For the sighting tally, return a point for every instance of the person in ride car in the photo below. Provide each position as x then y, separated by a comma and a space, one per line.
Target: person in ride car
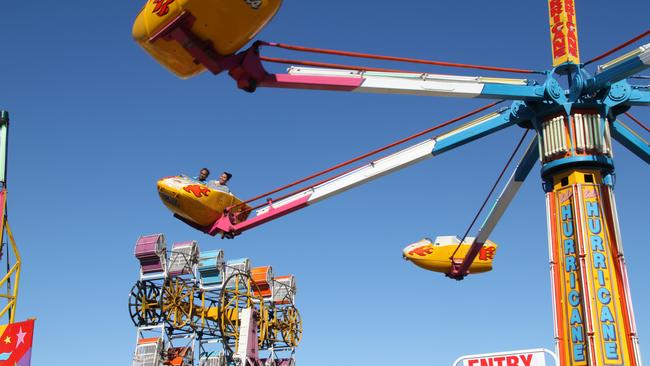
222, 183
203, 176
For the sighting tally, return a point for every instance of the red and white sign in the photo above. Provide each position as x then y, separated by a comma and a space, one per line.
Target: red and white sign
532, 357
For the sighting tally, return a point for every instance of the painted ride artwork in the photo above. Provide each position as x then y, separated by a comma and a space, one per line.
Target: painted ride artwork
434, 255
572, 111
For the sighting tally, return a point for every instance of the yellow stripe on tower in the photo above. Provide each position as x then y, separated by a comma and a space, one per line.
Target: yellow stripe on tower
564, 33
591, 310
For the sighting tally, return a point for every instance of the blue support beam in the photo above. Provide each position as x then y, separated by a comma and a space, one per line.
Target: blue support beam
631, 141
473, 131
639, 97
621, 70
513, 92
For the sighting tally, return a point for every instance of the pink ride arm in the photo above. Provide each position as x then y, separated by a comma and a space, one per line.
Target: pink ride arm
228, 227
311, 82
386, 165
224, 226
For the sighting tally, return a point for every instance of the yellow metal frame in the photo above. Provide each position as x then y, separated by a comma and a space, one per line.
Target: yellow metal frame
236, 299
11, 294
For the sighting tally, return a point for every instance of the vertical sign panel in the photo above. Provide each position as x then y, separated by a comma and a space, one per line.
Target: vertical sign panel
568, 280
564, 34
606, 312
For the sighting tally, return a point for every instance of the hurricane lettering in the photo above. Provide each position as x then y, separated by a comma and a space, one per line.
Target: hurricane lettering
572, 32
559, 43
570, 8
555, 7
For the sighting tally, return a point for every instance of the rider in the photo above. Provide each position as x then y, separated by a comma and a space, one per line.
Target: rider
203, 176
222, 183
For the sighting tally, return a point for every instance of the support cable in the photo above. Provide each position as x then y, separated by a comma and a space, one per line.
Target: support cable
640, 36
637, 122
393, 58
374, 152
329, 65
503, 171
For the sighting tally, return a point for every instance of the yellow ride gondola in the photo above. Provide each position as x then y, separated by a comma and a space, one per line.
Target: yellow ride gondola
436, 255
198, 203
227, 25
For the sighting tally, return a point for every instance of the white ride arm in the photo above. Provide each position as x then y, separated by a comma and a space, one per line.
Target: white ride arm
366, 173
500, 205
405, 83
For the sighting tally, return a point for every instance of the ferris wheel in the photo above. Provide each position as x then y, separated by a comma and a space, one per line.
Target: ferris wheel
190, 305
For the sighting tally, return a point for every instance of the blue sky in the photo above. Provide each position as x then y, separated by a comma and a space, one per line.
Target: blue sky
95, 122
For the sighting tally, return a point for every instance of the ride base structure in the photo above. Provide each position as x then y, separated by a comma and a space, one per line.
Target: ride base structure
13, 269
573, 128
16, 347
194, 305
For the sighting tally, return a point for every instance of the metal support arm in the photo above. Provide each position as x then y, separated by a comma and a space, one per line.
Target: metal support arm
499, 207
386, 165
404, 83
621, 68
249, 73
639, 97
631, 141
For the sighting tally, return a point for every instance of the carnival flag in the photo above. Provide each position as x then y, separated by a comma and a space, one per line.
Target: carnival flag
16, 343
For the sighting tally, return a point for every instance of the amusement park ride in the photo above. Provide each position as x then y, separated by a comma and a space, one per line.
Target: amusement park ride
573, 127
192, 303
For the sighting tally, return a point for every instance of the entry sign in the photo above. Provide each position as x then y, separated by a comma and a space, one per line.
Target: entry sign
532, 357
